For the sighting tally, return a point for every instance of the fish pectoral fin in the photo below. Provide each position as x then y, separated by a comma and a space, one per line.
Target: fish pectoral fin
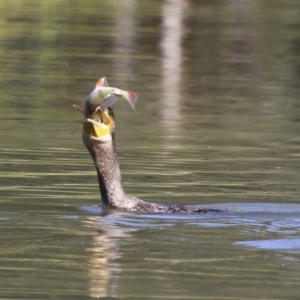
108, 101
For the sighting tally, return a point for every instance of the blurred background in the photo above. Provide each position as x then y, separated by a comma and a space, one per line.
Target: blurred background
217, 122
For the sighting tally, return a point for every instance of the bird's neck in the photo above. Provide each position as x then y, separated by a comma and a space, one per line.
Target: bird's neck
109, 175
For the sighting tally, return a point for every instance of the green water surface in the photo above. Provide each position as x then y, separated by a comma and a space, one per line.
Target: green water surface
217, 125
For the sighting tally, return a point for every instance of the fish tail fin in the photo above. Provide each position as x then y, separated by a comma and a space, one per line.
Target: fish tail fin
131, 97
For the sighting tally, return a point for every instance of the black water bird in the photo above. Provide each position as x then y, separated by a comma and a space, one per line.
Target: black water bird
98, 136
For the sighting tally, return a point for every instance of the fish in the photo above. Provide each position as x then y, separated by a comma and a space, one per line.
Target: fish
104, 96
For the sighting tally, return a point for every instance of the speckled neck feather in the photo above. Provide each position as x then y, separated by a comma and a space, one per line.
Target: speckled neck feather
109, 176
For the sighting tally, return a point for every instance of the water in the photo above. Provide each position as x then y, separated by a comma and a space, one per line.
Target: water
217, 126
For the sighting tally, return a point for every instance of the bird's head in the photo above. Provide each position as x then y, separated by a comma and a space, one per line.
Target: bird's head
100, 124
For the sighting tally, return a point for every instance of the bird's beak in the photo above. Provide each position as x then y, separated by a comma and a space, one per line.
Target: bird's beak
99, 125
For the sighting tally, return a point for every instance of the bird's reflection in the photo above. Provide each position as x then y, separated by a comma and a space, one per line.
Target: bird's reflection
103, 252
256, 224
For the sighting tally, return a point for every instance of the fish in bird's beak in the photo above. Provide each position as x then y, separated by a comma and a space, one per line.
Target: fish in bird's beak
98, 118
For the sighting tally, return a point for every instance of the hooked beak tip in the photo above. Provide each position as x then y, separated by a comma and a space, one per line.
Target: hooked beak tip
78, 108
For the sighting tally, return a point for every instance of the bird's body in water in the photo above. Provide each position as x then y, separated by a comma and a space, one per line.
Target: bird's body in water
98, 136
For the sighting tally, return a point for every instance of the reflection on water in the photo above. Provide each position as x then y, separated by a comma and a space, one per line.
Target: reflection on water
271, 223
101, 255
171, 65
279, 244
217, 125
125, 40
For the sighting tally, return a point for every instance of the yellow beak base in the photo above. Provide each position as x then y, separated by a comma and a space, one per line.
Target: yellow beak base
100, 130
